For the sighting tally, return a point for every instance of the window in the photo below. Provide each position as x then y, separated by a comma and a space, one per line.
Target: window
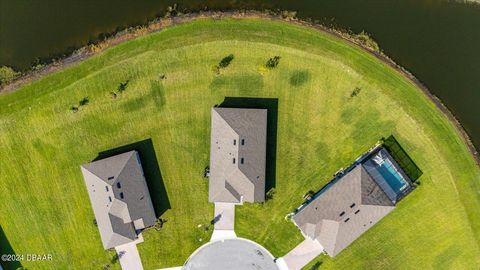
353, 205
121, 195
118, 185
342, 213
110, 198
356, 212
243, 141
106, 188
233, 160
241, 160
234, 142
347, 219
111, 177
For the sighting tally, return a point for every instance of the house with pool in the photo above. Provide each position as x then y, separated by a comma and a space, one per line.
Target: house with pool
354, 201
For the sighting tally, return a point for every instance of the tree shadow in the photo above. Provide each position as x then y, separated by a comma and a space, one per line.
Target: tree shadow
271, 104
151, 169
403, 159
6, 248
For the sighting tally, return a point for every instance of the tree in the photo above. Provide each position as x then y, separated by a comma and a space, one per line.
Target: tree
273, 62
7, 75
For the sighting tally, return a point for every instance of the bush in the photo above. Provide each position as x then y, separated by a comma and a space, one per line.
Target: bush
225, 62
123, 86
355, 92
273, 62
84, 101
367, 41
7, 75
270, 194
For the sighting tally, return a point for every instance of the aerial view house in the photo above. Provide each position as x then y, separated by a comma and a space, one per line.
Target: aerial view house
354, 201
237, 155
119, 196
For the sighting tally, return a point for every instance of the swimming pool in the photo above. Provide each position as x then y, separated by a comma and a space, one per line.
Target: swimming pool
383, 170
393, 177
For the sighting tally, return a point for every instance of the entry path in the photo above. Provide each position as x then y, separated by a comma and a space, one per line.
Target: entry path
301, 255
224, 222
129, 257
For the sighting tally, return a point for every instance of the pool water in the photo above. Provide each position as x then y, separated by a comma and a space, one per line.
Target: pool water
394, 179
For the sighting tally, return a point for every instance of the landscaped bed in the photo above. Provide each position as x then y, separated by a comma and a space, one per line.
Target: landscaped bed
333, 102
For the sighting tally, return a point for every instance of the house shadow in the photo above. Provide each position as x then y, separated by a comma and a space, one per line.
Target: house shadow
6, 248
151, 169
403, 159
271, 104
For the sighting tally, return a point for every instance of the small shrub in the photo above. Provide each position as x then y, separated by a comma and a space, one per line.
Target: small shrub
171, 11
367, 41
288, 14
308, 195
316, 266
123, 86
270, 194
159, 223
355, 92
84, 101
7, 75
225, 62
272, 62
113, 95
162, 77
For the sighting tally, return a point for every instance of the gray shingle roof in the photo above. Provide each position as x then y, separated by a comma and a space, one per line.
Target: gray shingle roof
119, 196
343, 211
237, 155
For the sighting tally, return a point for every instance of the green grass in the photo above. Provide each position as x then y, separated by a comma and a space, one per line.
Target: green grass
44, 206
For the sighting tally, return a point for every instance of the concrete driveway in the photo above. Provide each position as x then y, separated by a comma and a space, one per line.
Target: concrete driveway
301, 255
224, 216
224, 222
129, 257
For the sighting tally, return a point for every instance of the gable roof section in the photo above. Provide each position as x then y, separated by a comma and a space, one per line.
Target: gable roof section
344, 211
237, 155
119, 196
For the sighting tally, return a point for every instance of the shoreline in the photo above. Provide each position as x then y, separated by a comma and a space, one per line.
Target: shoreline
161, 23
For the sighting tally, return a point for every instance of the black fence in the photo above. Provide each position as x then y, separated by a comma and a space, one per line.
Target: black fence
402, 158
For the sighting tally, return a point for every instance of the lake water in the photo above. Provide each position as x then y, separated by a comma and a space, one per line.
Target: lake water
438, 41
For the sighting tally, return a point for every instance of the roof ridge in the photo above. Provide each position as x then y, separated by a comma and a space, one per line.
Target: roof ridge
124, 164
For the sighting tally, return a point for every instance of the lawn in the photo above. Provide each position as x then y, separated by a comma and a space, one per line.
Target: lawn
320, 127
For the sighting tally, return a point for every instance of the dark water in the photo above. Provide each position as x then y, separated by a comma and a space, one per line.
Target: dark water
438, 41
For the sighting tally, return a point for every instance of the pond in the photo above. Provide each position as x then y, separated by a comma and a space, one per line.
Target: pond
436, 40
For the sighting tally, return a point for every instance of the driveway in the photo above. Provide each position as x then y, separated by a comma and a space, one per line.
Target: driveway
224, 216
224, 222
302, 254
129, 257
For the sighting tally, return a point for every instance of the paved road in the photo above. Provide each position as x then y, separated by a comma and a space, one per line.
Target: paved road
231, 254
129, 257
302, 254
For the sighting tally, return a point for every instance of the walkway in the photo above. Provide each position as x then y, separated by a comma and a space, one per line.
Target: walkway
224, 222
129, 257
302, 254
